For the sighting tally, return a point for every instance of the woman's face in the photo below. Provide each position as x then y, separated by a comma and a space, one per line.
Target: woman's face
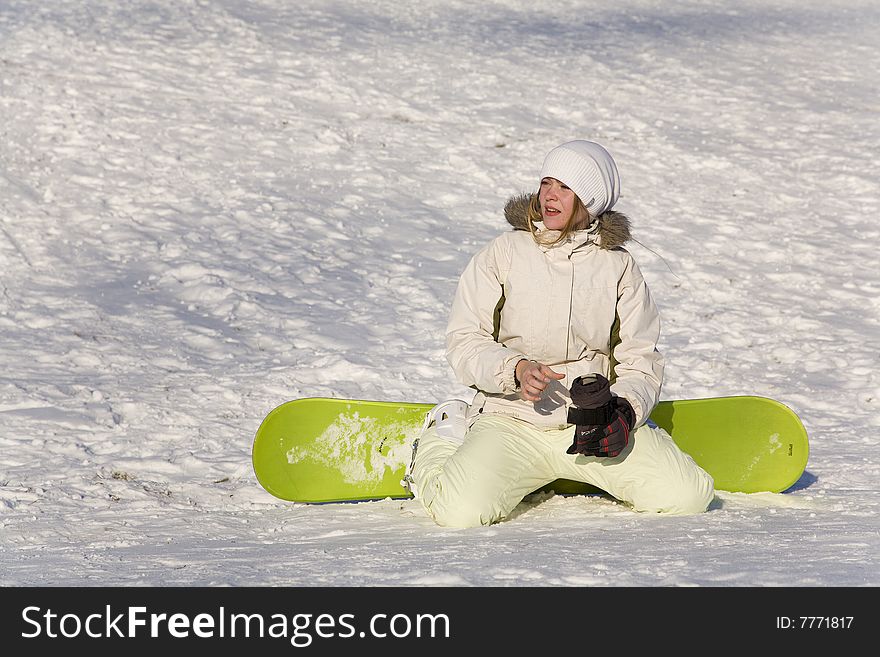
557, 204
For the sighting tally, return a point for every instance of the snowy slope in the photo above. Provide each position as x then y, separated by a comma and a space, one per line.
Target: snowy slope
209, 208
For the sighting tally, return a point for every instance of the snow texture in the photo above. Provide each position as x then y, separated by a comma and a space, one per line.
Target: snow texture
210, 208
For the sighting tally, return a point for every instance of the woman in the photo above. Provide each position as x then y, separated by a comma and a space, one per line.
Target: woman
553, 325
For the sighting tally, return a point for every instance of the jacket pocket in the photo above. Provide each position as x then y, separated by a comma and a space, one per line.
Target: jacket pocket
593, 314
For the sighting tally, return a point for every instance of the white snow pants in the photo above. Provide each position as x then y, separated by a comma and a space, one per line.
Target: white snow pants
504, 459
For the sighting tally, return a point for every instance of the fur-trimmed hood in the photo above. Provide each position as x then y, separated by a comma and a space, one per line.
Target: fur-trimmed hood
613, 230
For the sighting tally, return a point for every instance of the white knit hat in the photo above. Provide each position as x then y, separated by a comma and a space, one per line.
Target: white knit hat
588, 170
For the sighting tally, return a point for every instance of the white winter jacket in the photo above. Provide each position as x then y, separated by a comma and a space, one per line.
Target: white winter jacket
580, 306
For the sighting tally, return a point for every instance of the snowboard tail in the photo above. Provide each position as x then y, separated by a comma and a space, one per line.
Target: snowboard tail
320, 449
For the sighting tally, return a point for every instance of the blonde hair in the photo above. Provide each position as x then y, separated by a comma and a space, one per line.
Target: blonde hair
534, 215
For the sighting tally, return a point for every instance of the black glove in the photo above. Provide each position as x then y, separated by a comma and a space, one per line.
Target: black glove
602, 421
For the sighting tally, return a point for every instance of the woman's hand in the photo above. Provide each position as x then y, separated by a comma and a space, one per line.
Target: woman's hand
534, 377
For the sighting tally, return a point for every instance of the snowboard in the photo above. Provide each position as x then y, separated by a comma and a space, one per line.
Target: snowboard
320, 449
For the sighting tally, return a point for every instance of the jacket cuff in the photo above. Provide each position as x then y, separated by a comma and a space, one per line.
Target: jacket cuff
622, 405
509, 384
639, 415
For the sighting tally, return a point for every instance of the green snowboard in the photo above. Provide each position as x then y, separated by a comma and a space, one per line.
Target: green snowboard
336, 450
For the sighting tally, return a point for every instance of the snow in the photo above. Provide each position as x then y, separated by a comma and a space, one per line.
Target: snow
210, 208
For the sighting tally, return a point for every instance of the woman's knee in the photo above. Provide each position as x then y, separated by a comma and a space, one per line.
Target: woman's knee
682, 498
485, 478
461, 510
664, 479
